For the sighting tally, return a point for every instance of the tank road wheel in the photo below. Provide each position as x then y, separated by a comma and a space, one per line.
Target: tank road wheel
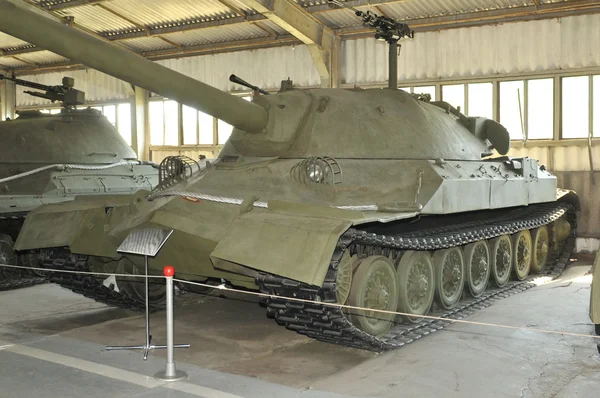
501, 259
133, 287
32, 260
541, 243
7, 256
374, 286
416, 284
343, 281
522, 248
449, 277
477, 264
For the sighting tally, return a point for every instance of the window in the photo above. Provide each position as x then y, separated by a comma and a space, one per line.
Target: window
110, 112
512, 106
540, 109
124, 122
171, 123
407, 89
480, 100
190, 125
206, 125
157, 123
426, 90
164, 122
197, 127
575, 107
454, 95
596, 110
224, 131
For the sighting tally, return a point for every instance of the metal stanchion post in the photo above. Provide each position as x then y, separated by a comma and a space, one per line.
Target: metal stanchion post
147, 242
170, 373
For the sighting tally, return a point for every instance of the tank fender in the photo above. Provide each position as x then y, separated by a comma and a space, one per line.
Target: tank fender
595, 291
81, 230
297, 247
79, 224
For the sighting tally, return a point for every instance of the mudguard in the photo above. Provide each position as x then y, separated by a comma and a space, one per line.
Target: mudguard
293, 246
595, 291
80, 224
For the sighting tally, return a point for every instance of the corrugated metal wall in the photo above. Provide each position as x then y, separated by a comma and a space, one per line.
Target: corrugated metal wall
561, 158
522, 47
97, 86
265, 68
588, 189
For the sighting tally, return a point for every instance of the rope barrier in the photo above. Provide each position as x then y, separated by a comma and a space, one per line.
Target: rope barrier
80, 272
333, 305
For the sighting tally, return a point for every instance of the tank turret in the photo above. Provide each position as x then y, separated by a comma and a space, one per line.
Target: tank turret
52, 158
375, 199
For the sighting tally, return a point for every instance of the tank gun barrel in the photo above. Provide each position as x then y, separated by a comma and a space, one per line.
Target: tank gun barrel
25, 83
123, 64
242, 82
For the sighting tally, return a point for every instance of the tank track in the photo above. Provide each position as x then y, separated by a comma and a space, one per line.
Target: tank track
13, 223
90, 286
331, 325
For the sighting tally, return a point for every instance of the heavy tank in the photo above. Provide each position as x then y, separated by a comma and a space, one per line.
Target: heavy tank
48, 158
377, 199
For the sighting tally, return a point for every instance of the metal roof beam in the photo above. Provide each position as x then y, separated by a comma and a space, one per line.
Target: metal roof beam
188, 51
319, 39
350, 3
548, 10
479, 18
54, 5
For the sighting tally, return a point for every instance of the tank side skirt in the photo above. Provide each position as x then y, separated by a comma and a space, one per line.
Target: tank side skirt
330, 324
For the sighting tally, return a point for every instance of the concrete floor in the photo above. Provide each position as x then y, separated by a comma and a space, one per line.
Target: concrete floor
51, 345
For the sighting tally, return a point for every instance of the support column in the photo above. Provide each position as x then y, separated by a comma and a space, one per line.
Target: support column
336, 63
8, 99
141, 123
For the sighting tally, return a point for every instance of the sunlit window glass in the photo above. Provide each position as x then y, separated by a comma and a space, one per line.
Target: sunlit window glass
596, 111
575, 107
224, 131
511, 110
454, 95
171, 123
110, 112
157, 124
540, 108
190, 125
124, 121
426, 90
205, 124
480, 99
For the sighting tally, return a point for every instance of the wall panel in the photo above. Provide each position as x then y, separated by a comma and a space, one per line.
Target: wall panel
96, 85
518, 47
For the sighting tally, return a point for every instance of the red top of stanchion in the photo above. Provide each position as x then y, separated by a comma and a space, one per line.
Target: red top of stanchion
169, 270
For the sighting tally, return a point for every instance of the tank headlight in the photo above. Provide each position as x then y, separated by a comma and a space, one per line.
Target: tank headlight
316, 172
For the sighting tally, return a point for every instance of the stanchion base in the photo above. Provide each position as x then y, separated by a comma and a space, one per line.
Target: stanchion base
179, 375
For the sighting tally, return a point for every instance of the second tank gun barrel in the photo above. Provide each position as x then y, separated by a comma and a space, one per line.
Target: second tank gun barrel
123, 64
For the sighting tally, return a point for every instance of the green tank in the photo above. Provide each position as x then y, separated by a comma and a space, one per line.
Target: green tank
376, 199
54, 158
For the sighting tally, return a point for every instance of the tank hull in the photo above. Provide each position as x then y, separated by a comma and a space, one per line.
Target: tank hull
222, 236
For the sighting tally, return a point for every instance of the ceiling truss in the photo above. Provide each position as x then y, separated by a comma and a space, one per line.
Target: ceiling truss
300, 22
